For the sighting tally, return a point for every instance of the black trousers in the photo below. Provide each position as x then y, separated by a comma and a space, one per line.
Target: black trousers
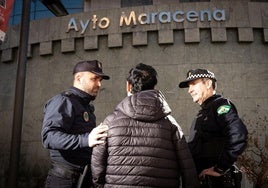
62, 177
53, 181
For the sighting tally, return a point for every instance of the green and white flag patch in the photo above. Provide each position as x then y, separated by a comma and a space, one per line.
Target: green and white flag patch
223, 109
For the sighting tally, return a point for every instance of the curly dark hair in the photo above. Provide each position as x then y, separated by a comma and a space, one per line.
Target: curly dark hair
142, 77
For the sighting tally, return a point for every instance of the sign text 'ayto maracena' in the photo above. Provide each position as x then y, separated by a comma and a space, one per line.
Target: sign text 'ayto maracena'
132, 18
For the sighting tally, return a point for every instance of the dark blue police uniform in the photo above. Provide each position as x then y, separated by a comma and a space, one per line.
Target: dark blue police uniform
68, 120
216, 138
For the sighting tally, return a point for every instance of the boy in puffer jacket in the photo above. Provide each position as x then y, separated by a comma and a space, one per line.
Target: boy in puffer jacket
145, 145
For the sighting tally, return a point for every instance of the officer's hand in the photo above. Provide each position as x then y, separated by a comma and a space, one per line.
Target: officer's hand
96, 134
210, 172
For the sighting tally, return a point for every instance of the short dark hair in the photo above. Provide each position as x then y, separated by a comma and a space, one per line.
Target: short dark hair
214, 84
142, 77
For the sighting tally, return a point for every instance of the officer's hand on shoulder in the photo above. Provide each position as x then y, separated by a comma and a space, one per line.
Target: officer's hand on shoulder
209, 172
97, 135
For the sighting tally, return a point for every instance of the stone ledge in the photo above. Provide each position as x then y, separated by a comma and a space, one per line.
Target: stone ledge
7, 55
218, 35
115, 40
67, 45
45, 48
245, 35
165, 37
91, 43
191, 35
139, 38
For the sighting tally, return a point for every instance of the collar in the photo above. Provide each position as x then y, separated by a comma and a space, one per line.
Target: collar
207, 102
81, 94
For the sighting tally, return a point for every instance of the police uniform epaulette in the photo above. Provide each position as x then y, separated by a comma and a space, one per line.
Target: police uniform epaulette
67, 93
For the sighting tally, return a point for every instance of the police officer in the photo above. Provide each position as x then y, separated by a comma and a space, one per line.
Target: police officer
69, 128
217, 135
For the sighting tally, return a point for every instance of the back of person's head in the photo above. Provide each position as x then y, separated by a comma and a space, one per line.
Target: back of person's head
142, 77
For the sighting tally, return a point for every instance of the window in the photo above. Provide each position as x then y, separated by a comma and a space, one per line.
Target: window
132, 3
40, 11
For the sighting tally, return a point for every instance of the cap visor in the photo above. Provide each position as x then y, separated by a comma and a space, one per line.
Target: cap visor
104, 76
184, 84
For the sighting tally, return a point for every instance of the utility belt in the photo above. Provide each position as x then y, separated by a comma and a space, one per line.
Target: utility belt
231, 179
65, 171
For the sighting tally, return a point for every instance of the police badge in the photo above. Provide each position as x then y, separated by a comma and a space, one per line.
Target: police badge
86, 116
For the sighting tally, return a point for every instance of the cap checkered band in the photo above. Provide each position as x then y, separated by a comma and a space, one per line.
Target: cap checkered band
99, 65
195, 76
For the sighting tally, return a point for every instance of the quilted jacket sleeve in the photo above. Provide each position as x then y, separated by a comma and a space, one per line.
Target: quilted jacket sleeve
99, 161
186, 163
98, 165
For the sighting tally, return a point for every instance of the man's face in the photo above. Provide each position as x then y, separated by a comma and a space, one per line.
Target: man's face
200, 90
90, 83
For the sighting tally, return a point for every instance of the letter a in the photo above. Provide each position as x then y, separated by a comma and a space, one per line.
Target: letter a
219, 15
72, 25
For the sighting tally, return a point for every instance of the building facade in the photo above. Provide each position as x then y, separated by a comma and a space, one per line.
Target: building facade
230, 38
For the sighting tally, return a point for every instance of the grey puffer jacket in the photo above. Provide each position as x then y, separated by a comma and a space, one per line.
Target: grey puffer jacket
145, 147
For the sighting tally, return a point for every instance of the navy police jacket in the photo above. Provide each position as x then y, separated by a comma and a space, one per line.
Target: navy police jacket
217, 136
68, 120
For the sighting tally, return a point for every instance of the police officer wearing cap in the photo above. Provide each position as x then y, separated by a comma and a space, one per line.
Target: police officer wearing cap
69, 128
217, 136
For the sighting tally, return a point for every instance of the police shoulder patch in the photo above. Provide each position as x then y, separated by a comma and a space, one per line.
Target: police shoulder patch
223, 109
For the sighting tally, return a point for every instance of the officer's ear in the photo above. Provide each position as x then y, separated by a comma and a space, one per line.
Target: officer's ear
77, 77
209, 83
